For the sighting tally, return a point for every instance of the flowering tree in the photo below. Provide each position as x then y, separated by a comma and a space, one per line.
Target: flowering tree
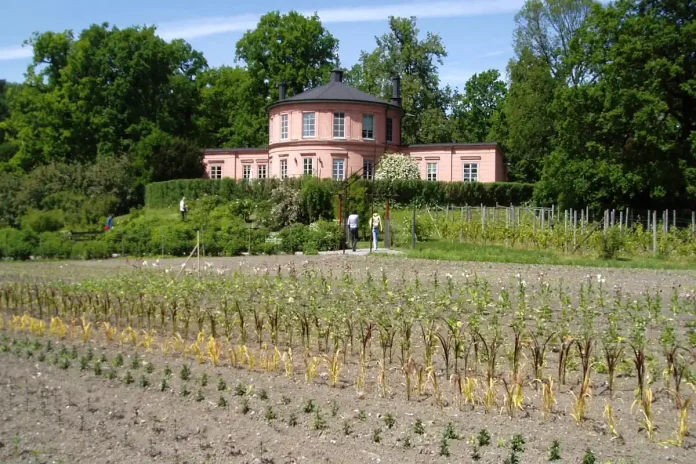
397, 166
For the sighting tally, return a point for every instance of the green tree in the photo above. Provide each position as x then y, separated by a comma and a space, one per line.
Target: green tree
627, 136
99, 94
474, 110
547, 28
290, 48
401, 52
524, 126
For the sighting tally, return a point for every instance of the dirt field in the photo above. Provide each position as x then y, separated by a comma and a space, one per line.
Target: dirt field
52, 410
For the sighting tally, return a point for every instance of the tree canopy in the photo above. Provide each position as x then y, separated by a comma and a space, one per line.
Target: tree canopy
597, 106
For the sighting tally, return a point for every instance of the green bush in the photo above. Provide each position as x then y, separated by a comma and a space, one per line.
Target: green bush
43, 221
317, 199
90, 250
54, 245
292, 238
17, 244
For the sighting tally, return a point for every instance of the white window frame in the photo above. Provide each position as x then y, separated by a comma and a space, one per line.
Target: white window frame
429, 174
247, 172
307, 160
368, 173
470, 172
340, 117
216, 171
284, 126
262, 171
283, 172
305, 132
390, 129
341, 172
364, 131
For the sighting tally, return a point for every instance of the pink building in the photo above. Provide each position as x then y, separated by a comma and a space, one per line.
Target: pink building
335, 130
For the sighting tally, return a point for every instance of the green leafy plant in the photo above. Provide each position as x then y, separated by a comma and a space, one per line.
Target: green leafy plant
319, 421
128, 378
270, 413
199, 396
144, 382
204, 379
377, 435
449, 433
221, 385
555, 451
118, 360
222, 402
589, 457
483, 438
185, 373
418, 427
517, 443
309, 407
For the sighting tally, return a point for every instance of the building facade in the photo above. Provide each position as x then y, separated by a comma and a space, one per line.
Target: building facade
335, 131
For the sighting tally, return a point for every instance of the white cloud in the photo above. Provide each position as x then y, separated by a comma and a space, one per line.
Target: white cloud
14, 53
438, 9
208, 26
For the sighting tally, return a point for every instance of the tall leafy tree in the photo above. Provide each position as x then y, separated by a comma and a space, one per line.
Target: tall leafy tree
524, 126
474, 110
290, 48
547, 28
401, 52
101, 93
627, 137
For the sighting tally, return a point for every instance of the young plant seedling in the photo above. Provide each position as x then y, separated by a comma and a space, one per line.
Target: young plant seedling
589, 457
292, 420
319, 422
136, 363
150, 368
128, 378
204, 379
199, 396
263, 395
449, 432
377, 435
240, 389
144, 383
270, 414
407, 442
475, 454
185, 373
164, 385
517, 443
418, 427
118, 360
555, 451
310, 407
285, 400
222, 402
483, 438
167, 371
389, 421
184, 391
347, 430
97, 368
334, 408
84, 363
444, 447
221, 385
244, 403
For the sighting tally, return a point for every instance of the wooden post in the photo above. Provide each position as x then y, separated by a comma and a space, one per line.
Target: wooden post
648, 226
565, 221
674, 218
575, 228
620, 222
582, 221
553, 211
665, 221
413, 229
543, 220
606, 222
654, 224
387, 224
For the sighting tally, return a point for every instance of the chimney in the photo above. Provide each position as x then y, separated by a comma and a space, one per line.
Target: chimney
337, 75
396, 91
282, 90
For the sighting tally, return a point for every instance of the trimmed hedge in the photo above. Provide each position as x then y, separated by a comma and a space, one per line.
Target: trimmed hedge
418, 192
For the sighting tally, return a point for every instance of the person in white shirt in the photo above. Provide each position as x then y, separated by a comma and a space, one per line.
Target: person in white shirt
183, 208
353, 224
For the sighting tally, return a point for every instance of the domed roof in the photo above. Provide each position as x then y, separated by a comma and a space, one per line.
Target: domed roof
335, 91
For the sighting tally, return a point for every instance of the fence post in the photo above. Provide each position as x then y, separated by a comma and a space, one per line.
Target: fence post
553, 210
654, 224
665, 221
620, 223
693, 222
565, 221
582, 221
543, 215
674, 218
606, 222
413, 229
575, 228
483, 220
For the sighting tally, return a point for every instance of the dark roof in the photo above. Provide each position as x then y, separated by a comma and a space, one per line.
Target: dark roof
335, 92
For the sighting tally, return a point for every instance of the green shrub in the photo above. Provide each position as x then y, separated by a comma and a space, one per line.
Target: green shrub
54, 245
293, 237
43, 221
317, 199
17, 244
90, 250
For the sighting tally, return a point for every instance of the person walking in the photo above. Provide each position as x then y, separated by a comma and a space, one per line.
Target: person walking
353, 224
109, 223
376, 226
183, 208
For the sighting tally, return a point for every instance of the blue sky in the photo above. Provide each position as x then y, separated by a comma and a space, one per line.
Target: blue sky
476, 33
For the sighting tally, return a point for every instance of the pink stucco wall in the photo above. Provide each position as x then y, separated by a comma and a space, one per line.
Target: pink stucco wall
451, 158
323, 148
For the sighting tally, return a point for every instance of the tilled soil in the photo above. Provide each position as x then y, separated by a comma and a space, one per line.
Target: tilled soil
51, 414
